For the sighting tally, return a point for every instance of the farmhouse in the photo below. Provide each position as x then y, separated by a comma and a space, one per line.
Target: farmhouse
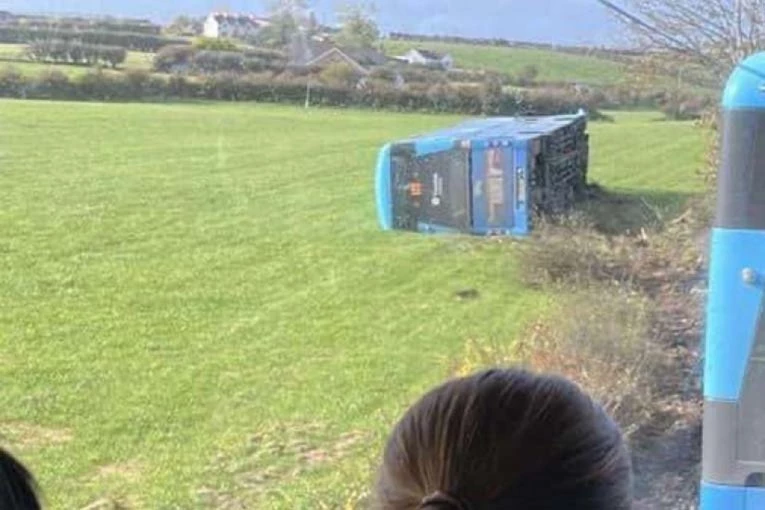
219, 25
322, 54
427, 58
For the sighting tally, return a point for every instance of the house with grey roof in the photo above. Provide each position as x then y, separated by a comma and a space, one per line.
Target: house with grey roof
420, 56
318, 54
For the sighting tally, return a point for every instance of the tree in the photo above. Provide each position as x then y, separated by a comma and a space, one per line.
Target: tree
185, 25
340, 74
528, 75
359, 29
716, 34
287, 18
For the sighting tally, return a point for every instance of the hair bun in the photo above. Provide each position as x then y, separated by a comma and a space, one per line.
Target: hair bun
443, 501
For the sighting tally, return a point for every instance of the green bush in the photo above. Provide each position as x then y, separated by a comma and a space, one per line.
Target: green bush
194, 60
53, 84
212, 44
13, 83
173, 57
73, 52
686, 108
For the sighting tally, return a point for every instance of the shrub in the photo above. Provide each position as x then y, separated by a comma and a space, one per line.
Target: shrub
53, 84
601, 338
173, 57
188, 58
212, 44
492, 97
13, 83
76, 53
266, 54
339, 74
686, 108
528, 75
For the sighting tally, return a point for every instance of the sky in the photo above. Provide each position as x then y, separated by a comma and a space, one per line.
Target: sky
577, 22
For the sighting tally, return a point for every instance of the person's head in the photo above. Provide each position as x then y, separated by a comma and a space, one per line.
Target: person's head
18, 489
505, 439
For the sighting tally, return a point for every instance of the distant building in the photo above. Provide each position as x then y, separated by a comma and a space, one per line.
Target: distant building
427, 58
237, 26
6, 17
320, 54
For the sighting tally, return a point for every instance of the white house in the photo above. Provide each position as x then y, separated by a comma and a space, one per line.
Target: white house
428, 58
237, 26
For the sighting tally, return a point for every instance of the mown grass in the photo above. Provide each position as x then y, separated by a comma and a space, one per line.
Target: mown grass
553, 66
197, 307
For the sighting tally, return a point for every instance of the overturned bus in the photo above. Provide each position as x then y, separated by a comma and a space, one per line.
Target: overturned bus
488, 176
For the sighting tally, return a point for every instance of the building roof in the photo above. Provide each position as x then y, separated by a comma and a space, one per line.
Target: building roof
308, 51
337, 51
366, 56
303, 50
430, 55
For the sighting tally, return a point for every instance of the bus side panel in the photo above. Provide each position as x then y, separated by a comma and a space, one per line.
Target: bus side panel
521, 196
383, 183
493, 188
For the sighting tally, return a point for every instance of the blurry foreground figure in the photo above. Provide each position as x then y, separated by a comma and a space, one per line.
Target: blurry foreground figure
18, 489
505, 439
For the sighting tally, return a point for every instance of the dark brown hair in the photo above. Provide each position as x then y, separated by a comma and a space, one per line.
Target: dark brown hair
505, 439
18, 489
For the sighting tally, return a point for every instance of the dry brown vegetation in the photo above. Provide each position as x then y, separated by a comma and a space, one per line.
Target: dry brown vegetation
626, 327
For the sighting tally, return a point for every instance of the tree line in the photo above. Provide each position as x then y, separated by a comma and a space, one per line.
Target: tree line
127, 40
75, 52
73, 24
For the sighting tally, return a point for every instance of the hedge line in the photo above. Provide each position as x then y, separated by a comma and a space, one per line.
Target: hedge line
73, 52
131, 41
136, 27
140, 85
192, 59
580, 50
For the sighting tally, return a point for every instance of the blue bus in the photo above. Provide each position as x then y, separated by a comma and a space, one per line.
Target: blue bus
487, 176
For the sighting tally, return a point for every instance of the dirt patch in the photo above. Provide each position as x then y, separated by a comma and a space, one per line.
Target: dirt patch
129, 471
274, 456
31, 436
107, 504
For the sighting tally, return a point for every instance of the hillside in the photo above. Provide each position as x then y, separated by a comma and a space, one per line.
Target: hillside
553, 66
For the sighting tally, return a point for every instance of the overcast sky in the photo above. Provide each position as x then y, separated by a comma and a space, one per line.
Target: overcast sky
568, 22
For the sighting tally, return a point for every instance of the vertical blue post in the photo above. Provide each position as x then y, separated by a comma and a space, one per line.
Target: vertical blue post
734, 371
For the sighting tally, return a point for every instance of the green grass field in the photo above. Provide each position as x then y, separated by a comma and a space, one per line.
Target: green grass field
553, 66
197, 307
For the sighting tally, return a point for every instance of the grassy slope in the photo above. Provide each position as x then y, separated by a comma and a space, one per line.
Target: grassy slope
198, 295
553, 66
